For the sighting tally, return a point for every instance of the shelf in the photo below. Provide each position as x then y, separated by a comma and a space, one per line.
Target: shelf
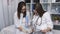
56, 24
56, 27
50, 2
46, 2
55, 2
54, 13
41, 3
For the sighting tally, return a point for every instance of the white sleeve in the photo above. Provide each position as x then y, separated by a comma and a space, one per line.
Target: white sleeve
16, 20
49, 21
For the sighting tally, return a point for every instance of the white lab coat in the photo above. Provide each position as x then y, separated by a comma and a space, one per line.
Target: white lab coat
17, 24
46, 22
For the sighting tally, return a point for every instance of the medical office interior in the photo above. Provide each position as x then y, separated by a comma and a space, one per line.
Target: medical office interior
9, 7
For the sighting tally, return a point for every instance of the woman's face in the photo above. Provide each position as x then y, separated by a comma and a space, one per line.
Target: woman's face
35, 12
23, 9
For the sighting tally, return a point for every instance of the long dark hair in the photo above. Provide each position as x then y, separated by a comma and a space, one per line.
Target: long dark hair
20, 5
39, 9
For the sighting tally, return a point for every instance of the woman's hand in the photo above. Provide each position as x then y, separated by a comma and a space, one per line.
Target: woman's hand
20, 28
46, 30
33, 30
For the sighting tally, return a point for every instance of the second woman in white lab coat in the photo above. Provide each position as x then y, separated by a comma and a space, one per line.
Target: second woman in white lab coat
42, 22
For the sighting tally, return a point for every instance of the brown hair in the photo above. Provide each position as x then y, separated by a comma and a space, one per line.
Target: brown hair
39, 9
20, 5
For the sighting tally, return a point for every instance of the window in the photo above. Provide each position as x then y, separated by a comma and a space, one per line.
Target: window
27, 1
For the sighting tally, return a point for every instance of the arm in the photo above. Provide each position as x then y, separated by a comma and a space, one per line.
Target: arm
20, 28
17, 22
49, 23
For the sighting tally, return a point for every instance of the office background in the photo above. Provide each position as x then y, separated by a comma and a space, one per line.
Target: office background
9, 7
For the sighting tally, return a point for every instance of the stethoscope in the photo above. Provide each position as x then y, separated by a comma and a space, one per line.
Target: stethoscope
34, 25
37, 21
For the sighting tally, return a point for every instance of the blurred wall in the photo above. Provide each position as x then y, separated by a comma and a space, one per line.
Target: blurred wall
1, 16
7, 10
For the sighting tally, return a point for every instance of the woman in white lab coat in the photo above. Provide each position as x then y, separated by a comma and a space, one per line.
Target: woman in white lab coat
42, 22
20, 19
